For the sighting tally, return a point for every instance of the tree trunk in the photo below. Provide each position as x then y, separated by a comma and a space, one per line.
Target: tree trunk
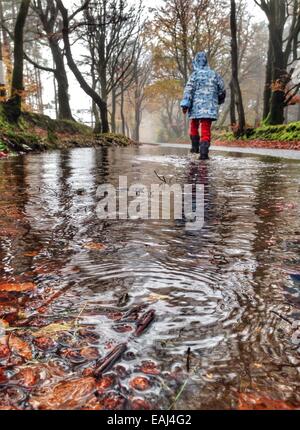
103, 109
13, 105
122, 110
113, 110
232, 105
48, 18
64, 109
235, 72
276, 115
137, 113
280, 50
298, 113
73, 66
2, 75
6, 49
268, 82
95, 110
55, 97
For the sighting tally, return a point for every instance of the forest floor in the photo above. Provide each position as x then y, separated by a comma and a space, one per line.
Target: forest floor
268, 144
39, 133
285, 136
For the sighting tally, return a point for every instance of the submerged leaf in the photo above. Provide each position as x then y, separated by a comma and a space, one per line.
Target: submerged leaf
53, 329
19, 347
257, 402
140, 383
95, 246
16, 288
71, 394
156, 298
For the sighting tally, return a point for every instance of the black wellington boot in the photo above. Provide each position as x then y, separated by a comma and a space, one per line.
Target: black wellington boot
204, 150
195, 144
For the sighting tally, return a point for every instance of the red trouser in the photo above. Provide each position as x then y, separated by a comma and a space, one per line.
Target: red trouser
205, 129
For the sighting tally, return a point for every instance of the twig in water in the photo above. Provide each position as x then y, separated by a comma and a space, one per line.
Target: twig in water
144, 322
109, 360
188, 360
161, 178
282, 317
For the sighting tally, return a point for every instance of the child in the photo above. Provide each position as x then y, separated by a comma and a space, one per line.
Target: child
203, 94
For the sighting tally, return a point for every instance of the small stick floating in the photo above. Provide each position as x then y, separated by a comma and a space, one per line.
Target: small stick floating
109, 360
144, 322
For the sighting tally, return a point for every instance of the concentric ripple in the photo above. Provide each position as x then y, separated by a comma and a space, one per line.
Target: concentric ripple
222, 291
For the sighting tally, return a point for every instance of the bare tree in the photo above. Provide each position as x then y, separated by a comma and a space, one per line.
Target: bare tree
142, 71
48, 13
112, 30
13, 105
87, 88
236, 92
284, 29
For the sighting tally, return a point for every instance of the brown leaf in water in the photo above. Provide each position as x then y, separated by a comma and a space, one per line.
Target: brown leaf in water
105, 383
8, 408
17, 288
112, 401
31, 254
19, 347
53, 330
66, 395
254, 402
9, 232
3, 377
123, 328
140, 383
45, 343
27, 377
150, 368
95, 246
89, 353
4, 350
140, 405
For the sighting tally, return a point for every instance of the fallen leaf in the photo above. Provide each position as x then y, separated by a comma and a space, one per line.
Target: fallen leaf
27, 377
105, 383
3, 377
256, 402
140, 383
31, 254
150, 368
123, 328
112, 401
19, 347
89, 353
95, 246
66, 395
156, 298
45, 343
140, 405
16, 288
53, 329
4, 351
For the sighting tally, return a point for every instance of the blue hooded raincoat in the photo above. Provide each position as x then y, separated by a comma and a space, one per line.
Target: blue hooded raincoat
203, 91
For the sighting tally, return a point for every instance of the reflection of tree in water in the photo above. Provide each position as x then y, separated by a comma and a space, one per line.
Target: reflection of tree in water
16, 236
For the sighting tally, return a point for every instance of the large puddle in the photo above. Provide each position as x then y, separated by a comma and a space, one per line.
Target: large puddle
226, 299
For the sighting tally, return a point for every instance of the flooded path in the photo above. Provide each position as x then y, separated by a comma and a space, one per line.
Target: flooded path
74, 288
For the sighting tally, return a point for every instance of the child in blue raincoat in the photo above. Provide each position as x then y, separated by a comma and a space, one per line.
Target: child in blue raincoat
204, 93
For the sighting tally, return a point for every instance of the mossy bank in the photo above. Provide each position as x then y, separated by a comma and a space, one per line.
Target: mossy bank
279, 136
36, 132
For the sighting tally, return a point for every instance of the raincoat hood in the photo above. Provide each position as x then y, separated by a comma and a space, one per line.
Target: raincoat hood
200, 61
